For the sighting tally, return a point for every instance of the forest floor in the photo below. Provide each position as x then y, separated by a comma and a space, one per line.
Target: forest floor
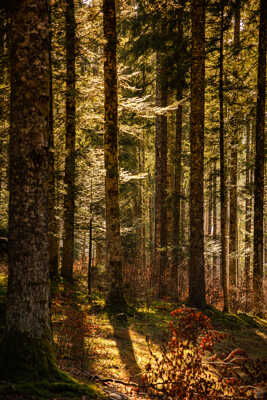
113, 351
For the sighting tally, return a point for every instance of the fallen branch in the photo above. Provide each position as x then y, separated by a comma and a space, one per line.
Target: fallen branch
150, 385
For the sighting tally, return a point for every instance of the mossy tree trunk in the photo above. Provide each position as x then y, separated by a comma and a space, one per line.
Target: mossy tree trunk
196, 267
52, 221
259, 164
69, 198
115, 298
223, 193
26, 351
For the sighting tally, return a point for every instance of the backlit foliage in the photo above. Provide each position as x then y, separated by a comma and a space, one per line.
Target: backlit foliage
185, 367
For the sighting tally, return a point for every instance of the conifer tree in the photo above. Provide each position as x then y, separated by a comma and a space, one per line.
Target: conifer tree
115, 299
69, 198
196, 267
26, 351
176, 237
52, 222
223, 199
259, 162
233, 228
248, 211
161, 173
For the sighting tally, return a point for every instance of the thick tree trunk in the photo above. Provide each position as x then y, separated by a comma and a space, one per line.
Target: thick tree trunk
52, 221
259, 164
196, 267
69, 198
115, 299
26, 351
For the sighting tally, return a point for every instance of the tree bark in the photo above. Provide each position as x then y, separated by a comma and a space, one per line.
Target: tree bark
197, 268
26, 350
115, 299
176, 239
69, 198
90, 246
2, 97
259, 164
52, 221
248, 212
223, 192
161, 232
233, 232
214, 217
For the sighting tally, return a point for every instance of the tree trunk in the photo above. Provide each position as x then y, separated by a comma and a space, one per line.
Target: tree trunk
115, 299
2, 97
214, 207
157, 204
233, 232
151, 240
259, 164
248, 212
161, 232
197, 268
90, 256
223, 192
90, 246
210, 204
52, 221
176, 240
26, 350
69, 198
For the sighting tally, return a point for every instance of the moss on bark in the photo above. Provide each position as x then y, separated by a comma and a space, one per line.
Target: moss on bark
28, 367
25, 359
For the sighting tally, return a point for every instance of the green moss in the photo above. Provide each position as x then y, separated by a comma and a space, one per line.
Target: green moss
234, 321
46, 390
28, 368
23, 358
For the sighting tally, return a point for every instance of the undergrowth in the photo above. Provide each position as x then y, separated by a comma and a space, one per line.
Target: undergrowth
188, 368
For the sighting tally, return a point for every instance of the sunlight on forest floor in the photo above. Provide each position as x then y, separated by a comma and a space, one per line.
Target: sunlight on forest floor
87, 339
